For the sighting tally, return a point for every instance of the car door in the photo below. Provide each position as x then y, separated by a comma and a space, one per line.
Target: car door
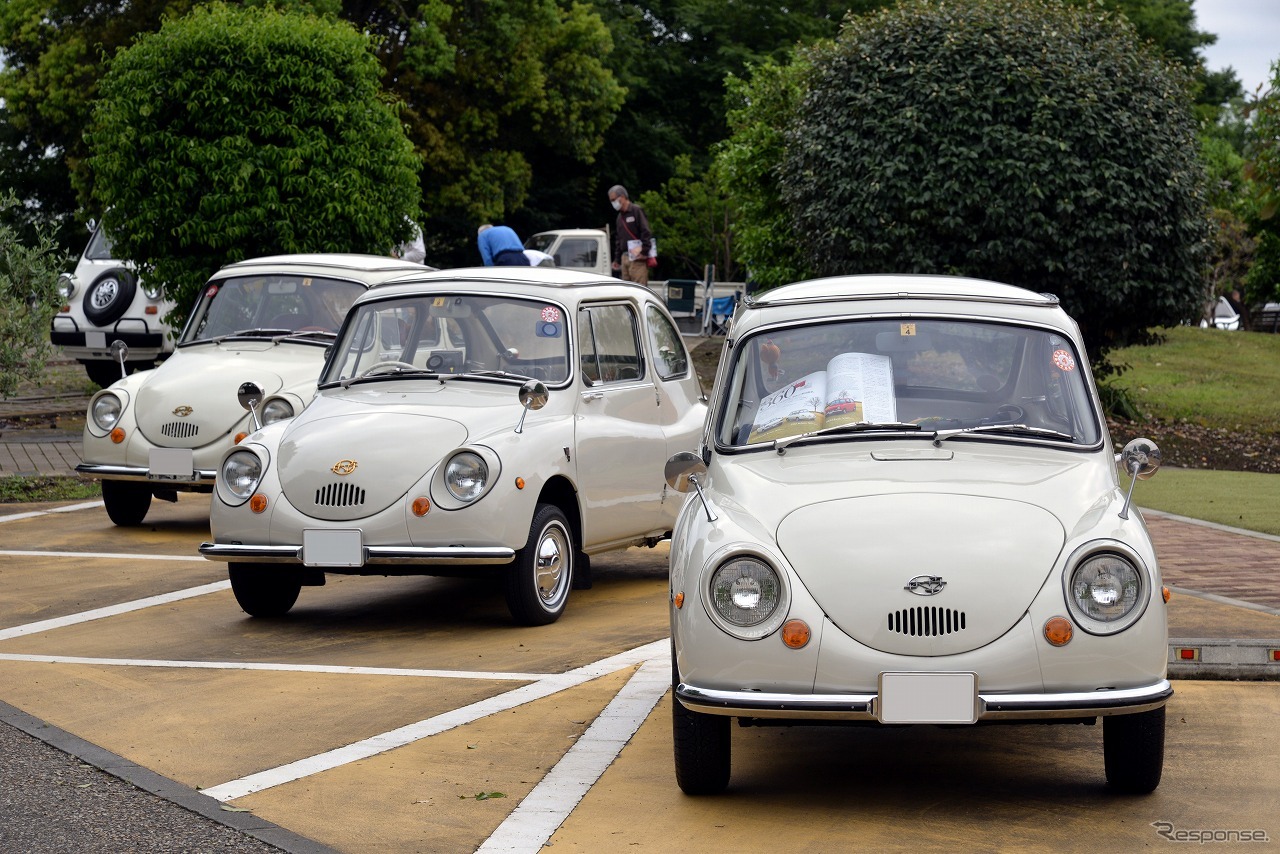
621, 444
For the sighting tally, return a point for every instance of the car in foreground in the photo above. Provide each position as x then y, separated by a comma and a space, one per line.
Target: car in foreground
104, 302
505, 421
906, 511
267, 320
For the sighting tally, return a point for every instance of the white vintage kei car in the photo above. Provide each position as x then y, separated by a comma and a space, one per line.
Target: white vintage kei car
504, 421
267, 320
906, 510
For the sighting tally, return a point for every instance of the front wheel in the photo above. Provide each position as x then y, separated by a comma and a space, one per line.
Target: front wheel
703, 745
127, 503
264, 591
539, 581
1133, 751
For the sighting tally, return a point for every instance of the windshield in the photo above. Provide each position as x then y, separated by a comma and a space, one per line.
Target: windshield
439, 334
272, 304
918, 377
99, 248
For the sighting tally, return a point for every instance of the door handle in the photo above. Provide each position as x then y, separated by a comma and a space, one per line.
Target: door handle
593, 395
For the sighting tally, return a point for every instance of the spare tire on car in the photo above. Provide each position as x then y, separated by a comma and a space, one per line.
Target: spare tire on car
107, 298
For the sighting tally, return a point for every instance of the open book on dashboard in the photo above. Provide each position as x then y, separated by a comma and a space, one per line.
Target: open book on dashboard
854, 387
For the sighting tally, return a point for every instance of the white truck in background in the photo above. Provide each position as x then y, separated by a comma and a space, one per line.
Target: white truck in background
585, 249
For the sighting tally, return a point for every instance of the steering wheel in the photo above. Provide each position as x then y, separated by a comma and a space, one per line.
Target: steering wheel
379, 367
1010, 413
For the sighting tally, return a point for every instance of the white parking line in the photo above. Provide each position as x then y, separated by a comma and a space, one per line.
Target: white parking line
107, 555
544, 809
432, 726
111, 610
503, 676
14, 517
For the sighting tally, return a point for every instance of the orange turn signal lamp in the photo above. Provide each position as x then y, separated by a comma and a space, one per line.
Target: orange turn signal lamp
421, 506
519, 483
258, 503
795, 634
678, 600
117, 435
1167, 594
1058, 631
240, 437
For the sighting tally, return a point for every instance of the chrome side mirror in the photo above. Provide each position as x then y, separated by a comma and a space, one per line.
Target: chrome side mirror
120, 352
250, 395
533, 396
1140, 459
684, 472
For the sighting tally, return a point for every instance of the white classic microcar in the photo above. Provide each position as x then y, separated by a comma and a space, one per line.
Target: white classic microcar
906, 510
267, 320
506, 421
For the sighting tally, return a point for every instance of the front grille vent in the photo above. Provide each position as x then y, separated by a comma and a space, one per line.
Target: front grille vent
179, 429
926, 622
339, 495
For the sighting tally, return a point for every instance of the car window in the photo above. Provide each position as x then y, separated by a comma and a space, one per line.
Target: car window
671, 359
578, 252
608, 343
289, 302
938, 374
456, 334
99, 248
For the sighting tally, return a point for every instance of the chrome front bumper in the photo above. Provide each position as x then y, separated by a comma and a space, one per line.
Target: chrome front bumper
375, 555
862, 707
199, 477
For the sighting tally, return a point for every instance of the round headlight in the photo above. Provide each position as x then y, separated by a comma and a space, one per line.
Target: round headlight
277, 409
240, 474
747, 596
153, 292
465, 476
66, 286
105, 410
1106, 589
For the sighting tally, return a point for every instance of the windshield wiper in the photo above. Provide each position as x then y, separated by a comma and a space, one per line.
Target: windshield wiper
508, 375
252, 333
940, 436
780, 445
389, 370
310, 333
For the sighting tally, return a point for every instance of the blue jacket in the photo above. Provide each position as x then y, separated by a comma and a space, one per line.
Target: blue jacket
495, 240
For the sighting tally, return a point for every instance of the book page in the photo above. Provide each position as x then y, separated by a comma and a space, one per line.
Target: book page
797, 408
859, 388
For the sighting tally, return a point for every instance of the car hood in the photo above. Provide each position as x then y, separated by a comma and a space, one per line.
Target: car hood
857, 533
190, 400
355, 452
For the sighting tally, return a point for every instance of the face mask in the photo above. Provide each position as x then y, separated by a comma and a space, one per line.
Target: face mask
617, 205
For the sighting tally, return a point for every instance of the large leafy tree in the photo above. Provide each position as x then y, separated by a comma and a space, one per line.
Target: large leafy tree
28, 300
233, 133
1018, 140
1263, 206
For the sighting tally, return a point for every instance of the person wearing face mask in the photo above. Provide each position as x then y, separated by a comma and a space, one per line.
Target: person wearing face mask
632, 240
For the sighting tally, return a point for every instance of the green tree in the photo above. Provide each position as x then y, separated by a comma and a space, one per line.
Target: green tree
1018, 140
692, 216
234, 133
1262, 169
28, 300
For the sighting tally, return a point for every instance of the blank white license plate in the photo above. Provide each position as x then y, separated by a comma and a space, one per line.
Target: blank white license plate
95, 340
171, 464
928, 698
332, 547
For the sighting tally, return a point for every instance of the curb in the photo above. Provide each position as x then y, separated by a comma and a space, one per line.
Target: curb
1240, 659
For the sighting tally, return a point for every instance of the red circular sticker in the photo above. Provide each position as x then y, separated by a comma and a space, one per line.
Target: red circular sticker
551, 314
1064, 360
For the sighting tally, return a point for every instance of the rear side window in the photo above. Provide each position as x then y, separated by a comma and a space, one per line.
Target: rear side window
671, 359
609, 345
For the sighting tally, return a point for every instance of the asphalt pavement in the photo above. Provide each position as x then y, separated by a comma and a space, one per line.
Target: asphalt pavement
61, 793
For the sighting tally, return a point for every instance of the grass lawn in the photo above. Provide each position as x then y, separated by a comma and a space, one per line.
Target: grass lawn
1239, 499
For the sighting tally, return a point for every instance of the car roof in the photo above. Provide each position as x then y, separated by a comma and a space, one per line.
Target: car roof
370, 269
867, 287
528, 280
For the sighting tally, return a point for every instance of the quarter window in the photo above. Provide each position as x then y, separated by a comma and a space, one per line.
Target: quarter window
670, 357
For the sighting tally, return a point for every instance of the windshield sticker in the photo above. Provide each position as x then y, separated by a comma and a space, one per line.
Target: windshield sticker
551, 314
1064, 360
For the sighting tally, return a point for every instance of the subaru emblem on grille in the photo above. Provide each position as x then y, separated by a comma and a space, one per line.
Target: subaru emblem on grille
182, 411
343, 467
926, 585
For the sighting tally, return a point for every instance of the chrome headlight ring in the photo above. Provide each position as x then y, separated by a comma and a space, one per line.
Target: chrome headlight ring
66, 286
1106, 586
239, 475
153, 292
276, 409
746, 593
464, 476
105, 410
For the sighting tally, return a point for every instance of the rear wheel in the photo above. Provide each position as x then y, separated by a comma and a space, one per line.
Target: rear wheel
1133, 751
539, 581
264, 591
703, 748
127, 503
